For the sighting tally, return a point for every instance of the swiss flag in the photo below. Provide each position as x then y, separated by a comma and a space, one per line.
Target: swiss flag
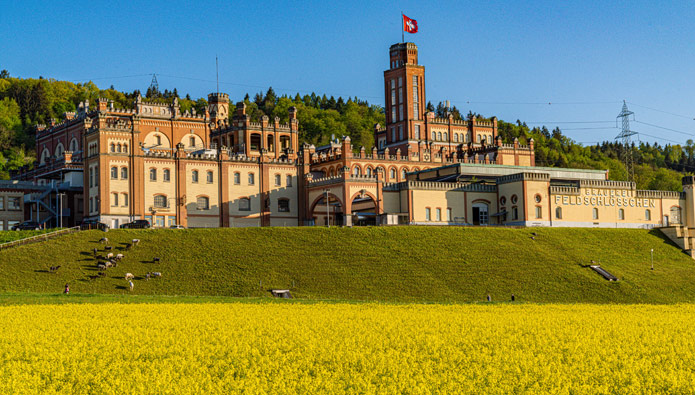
409, 25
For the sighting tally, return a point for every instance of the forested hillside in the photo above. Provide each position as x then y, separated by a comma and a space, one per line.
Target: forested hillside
26, 102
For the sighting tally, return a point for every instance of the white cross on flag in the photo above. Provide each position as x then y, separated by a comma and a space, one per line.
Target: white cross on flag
409, 25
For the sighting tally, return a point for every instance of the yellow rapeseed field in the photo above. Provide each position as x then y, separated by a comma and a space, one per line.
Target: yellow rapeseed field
289, 348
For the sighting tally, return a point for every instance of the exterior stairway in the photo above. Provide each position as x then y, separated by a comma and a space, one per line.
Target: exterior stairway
682, 236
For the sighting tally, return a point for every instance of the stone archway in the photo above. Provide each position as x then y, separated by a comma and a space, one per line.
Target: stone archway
363, 209
327, 211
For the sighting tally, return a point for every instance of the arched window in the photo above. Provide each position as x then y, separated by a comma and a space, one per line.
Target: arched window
153, 174
203, 203
456, 137
252, 178
369, 172
289, 180
194, 176
446, 136
244, 204
124, 173
439, 136
167, 175
647, 215
595, 213
392, 175
73, 145
403, 171
434, 136
125, 148
621, 214
558, 213
209, 177
284, 205
114, 199
112, 147
114, 173
118, 148
160, 201
237, 178
278, 180
356, 171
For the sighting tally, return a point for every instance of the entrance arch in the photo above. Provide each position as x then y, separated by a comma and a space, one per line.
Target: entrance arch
327, 212
363, 209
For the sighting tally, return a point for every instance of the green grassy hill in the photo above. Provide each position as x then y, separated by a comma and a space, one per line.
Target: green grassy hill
425, 264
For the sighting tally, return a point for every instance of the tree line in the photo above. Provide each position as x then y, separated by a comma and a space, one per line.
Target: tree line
25, 102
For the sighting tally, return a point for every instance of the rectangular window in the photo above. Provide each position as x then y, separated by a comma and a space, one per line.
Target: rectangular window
13, 203
416, 132
237, 178
172, 220
448, 214
125, 200
191, 141
278, 180
400, 132
160, 221
209, 177
539, 212
283, 206
393, 113
289, 180
2, 224
400, 95
393, 134
439, 214
427, 214
400, 111
2, 202
252, 179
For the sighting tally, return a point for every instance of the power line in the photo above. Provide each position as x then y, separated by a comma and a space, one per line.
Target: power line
563, 122
548, 103
662, 111
661, 127
660, 138
606, 128
111, 78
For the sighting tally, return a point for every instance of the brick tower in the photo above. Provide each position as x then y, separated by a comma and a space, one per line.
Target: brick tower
404, 87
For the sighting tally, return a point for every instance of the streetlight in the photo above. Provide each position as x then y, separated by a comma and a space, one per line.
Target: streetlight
328, 215
60, 212
652, 259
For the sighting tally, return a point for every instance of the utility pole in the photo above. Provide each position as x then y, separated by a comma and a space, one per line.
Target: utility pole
624, 135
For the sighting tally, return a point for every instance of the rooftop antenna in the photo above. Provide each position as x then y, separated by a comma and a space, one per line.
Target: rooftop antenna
624, 135
217, 73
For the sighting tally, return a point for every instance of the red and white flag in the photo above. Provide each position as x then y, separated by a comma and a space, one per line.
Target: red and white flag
409, 25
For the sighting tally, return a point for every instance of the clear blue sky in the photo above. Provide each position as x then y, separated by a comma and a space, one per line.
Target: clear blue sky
492, 57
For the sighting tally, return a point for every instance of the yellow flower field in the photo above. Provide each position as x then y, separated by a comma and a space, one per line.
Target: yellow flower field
283, 348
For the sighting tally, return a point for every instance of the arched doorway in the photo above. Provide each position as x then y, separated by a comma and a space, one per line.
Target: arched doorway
363, 210
327, 210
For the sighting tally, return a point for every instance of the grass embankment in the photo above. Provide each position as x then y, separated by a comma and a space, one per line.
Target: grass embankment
12, 235
394, 264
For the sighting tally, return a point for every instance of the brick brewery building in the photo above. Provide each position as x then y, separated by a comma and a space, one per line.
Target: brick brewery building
215, 170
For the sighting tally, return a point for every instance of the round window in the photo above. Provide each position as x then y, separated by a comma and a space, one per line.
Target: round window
503, 200
538, 198
514, 199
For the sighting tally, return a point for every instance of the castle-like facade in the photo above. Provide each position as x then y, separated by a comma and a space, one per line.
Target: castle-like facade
216, 169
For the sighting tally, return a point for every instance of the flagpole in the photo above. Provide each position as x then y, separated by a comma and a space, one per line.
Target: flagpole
402, 29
